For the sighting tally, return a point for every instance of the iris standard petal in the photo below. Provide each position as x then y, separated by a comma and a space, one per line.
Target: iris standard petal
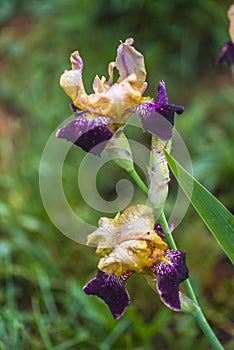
91, 135
110, 288
162, 93
130, 61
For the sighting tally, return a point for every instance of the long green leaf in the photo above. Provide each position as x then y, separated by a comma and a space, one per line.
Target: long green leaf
216, 217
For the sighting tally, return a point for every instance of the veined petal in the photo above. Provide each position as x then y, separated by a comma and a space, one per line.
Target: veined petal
129, 61
162, 93
158, 116
89, 134
178, 259
110, 288
169, 276
168, 285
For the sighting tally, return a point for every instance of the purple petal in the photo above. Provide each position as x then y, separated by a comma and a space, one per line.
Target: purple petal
110, 288
178, 259
156, 119
226, 54
168, 285
91, 135
162, 93
170, 276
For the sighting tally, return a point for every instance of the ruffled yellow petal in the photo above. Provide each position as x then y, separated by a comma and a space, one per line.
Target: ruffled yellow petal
109, 98
128, 242
71, 81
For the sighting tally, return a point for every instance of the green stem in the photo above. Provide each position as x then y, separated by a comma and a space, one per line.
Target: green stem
198, 315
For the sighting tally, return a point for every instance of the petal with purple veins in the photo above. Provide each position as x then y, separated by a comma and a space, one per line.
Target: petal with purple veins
168, 285
110, 288
91, 135
162, 93
158, 116
178, 259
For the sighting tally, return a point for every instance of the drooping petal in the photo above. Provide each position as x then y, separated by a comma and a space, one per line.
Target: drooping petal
178, 259
110, 288
89, 134
168, 285
169, 276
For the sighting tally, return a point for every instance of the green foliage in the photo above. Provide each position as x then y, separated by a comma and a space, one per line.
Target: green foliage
41, 271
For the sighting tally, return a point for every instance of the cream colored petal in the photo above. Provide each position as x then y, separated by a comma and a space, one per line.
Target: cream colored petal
231, 19
98, 84
134, 223
132, 255
104, 238
111, 73
130, 61
71, 81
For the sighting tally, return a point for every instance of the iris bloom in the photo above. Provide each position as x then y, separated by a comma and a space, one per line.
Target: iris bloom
129, 244
98, 115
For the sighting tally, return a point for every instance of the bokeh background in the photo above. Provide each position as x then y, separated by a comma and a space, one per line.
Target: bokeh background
42, 271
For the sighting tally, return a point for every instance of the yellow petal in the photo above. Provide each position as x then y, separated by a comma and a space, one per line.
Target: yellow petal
71, 81
231, 19
130, 255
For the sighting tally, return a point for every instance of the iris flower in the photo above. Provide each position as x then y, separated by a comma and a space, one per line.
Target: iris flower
130, 244
98, 115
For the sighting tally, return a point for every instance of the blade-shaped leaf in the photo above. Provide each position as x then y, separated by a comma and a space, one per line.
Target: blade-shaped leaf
216, 217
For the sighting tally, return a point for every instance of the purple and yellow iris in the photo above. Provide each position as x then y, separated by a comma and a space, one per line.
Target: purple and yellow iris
99, 115
130, 244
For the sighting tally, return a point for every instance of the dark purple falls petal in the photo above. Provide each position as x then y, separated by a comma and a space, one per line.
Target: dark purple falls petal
110, 288
89, 134
226, 54
178, 259
158, 116
168, 285
170, 276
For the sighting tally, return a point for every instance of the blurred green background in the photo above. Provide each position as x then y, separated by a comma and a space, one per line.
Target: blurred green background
42, 271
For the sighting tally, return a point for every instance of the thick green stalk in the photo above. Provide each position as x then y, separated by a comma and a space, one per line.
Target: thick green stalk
198, 314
